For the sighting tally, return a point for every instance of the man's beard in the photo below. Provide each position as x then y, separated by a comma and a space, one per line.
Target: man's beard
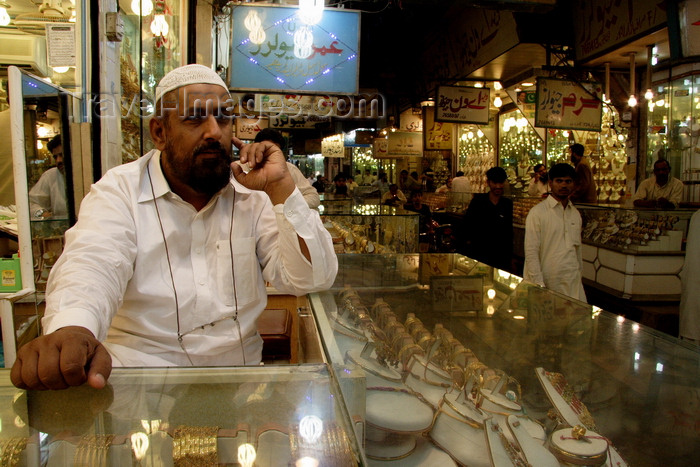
203, 174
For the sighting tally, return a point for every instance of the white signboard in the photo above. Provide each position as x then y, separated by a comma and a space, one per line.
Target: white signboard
60, 44
568, 105
410, 121
404, 144
462, 104
333, 146
248, 128
380, 148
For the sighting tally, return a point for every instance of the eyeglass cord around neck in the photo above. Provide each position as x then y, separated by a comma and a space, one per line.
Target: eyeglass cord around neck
180, 335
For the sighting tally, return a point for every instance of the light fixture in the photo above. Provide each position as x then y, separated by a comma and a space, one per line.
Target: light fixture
497, 85
159, 25
142, 7
478, 84
303, 42
4, 16
60, 69
497, 102
632, 101
649, 95
527, 85
606, 96
253, 23
310, 11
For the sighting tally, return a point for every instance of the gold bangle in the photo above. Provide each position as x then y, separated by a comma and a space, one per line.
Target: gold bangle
406, 348
195, 446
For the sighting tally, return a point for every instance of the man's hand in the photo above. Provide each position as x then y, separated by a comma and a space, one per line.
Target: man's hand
67, 357
268, 170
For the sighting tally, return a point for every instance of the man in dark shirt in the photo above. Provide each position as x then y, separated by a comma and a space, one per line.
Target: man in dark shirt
488, 224
415, 204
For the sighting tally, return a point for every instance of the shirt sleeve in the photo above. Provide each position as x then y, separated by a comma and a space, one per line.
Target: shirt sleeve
533, 240
676, 192
296, 220
532, 189
641, 192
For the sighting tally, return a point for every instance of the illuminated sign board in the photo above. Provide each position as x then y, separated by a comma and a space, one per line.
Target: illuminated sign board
273, 50
568, 105
462, 104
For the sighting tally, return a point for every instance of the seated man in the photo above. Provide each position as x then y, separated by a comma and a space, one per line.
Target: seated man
660, 191
169, 260
394, 197
47, 198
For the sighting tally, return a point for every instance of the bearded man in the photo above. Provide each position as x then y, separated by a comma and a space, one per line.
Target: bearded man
168, 261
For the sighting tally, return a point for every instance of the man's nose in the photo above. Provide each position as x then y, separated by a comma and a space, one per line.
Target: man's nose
212, 129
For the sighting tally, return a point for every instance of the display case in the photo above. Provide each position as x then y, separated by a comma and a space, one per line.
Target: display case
372, 228
468, 365
263, 416
520, 149
634, 253
673, 132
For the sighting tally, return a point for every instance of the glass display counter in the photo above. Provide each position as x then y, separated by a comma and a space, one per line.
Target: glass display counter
372, 228
634, 253
467, 365
265, 416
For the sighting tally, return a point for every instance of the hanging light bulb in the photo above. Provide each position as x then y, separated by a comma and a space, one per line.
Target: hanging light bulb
4, 16
310, 11
497, 102
649, 95
159, 26
142, 7
253, 23
632, 101
497, 85
303, 42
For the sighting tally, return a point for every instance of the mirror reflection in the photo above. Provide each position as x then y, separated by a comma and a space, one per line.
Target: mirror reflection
45, 117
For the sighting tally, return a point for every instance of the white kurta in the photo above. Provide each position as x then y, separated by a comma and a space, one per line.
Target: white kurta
553, 248
114, 276
307, 191
49, 193
689, 325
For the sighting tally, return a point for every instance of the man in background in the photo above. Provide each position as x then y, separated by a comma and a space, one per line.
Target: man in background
307, 191
584, 189
553, 238
394, 197
488, 224
47, 198
538, 185
662, 190
460, 184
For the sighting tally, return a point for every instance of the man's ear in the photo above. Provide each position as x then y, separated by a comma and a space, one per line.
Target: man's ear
157, 128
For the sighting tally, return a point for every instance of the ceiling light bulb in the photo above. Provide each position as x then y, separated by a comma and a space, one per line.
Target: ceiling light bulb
4, 17
60, 69
649, 95
632, 102
310, 11
142, 7
159, 26
497, 102
497, 85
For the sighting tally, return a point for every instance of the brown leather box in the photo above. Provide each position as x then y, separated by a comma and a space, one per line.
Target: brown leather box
275, 328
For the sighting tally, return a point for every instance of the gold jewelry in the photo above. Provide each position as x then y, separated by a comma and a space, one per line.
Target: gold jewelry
195, 446
11, 450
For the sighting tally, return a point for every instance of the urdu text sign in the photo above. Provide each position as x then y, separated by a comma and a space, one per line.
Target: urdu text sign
568, 105
271, 63
462, 104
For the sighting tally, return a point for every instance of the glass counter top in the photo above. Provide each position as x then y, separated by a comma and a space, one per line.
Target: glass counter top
454, 332
262, 416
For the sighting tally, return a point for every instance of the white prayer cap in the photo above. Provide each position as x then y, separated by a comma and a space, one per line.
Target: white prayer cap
186, 75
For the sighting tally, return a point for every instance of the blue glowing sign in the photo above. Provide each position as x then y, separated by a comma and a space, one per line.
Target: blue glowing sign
273, 50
